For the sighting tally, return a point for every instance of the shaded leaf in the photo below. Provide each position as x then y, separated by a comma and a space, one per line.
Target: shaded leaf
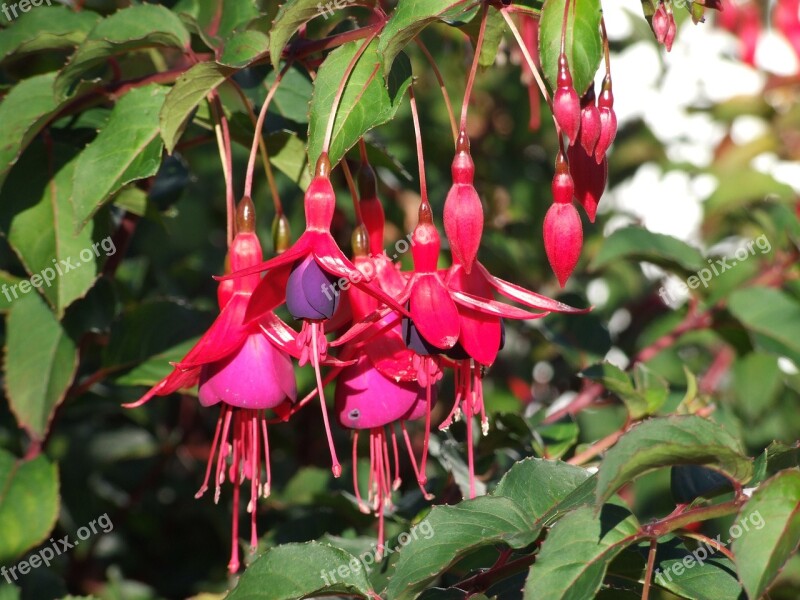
190, 90
702, 574
41, 360
368, 100
291, 16
127, 149
583, 46
676, 440
408, 19
578, 549
28, 503
295, 571
38, 224
46, 28
772, 316
770, 530
457, 531
24, 112
139, 26
639, 244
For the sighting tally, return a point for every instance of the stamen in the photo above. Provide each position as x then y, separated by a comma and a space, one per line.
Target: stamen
315, 359
211, 454
410, 449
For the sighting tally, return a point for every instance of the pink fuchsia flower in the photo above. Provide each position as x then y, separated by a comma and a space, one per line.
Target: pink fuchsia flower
368, 400
238, 366
463, 212
304, 277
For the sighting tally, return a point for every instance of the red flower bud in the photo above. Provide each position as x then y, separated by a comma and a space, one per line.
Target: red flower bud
590, 121
660, 23
608, 121
562, 186
566, 104
672, 29
563, 238
463, 212
589, 179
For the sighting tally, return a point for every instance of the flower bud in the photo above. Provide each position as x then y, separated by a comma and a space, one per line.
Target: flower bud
672, 29
590, 121
563, 239
562, 186
660, 23
566, 104
608, 121
589, 179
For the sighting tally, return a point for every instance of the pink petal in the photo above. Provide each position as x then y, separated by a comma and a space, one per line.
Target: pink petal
433, 311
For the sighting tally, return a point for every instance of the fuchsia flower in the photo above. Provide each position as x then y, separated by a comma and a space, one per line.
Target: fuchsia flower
246, 372
563, 232
304, 277
463, 213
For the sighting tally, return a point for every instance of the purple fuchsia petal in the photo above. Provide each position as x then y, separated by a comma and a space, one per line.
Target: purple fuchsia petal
257, 376
310, 291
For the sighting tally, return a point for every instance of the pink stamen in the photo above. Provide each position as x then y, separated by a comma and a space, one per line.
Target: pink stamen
429, 368
214, 443
316, 332
410, 449
397, 480
223, 451
470, 450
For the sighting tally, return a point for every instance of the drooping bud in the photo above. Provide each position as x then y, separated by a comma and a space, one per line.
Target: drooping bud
425, 242
608, 121
590, 121
562, 186
281, 234
360, 241
463, 212
371, 208
566, 104
660, 23
320, 200
245, 249
563, 239
589, 179
672, 29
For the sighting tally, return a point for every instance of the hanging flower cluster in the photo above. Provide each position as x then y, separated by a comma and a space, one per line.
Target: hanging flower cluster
389, 336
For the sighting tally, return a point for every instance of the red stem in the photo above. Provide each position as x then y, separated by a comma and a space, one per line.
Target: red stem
474, 69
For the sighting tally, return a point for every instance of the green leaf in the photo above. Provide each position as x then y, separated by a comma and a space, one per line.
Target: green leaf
492, 37
368, 100
770, 531
583, 45
46, 28
296, 571
772, 316
38, 224
639, 244
291, 16
127, 149
244, 48
28, 503
9, 592
41, 360
408, 19
708, 576
190, 90
545, 489
644, 398
157, 367
578, 549
134, 28
6, 281
457, 531
676, 440
24, 112
757, 381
